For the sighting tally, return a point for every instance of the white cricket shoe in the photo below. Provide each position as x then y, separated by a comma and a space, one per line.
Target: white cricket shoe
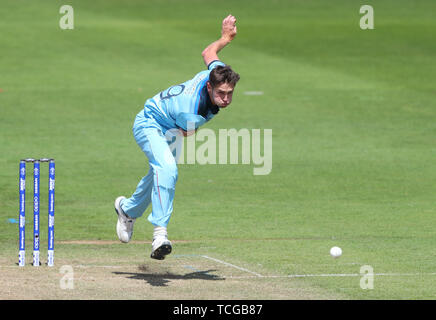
160, 246
124, 223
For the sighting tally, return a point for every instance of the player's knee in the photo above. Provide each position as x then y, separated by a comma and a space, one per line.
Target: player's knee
173, 172
167, 176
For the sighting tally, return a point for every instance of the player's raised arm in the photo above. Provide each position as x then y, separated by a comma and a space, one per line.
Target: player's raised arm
228, 33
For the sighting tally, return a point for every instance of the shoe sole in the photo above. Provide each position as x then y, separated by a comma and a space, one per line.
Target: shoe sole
117, 201
115, 204
119, 233
161, 252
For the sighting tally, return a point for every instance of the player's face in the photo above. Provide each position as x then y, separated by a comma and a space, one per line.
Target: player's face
221, 95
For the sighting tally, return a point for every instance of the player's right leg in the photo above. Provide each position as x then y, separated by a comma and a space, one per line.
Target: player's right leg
124, 223
129, 209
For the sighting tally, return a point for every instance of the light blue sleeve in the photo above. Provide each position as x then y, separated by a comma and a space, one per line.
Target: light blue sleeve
215, 64
189, 121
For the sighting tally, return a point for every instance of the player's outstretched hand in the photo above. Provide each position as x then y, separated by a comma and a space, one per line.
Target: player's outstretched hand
228, 30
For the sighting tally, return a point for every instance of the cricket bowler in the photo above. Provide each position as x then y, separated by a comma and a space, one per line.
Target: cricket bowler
184, 107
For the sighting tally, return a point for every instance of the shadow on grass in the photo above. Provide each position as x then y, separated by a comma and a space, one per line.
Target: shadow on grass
162, 279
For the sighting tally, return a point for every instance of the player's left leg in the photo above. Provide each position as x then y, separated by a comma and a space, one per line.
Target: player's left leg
164, 168
158, 187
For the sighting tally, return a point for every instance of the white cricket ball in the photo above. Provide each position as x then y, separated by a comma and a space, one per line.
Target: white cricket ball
335, 252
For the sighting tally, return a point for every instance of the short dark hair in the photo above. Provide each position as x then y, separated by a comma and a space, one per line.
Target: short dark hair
223, 74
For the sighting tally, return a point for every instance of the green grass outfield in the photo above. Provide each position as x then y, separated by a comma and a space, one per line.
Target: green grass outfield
353, 115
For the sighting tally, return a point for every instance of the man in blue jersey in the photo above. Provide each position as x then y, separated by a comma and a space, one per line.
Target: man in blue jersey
184, 107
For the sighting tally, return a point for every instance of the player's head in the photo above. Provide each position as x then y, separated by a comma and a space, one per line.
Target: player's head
222, 82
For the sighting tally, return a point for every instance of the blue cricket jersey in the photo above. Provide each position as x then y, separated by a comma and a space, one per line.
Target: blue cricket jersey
188, 102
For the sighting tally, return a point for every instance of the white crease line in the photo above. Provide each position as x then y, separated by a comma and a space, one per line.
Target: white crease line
337, 275
253, 93
97, 266
82, 266
232, 265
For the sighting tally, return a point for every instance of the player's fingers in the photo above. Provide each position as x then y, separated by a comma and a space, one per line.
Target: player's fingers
229, 18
